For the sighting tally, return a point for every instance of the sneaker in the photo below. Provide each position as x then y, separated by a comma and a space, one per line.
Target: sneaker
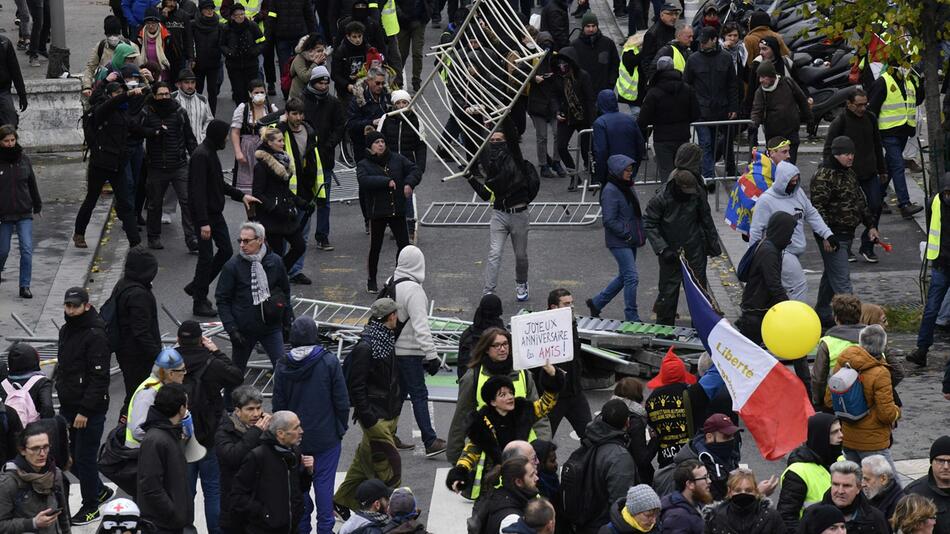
35, 62
203, 308
22, 45
155, 244
190, 289
912, 166
105, 494
85, 515
918, 357
443, 154
192, 247
342, 511
851, 257
301, 279
521, 292
869, 256
436, 22
25, 293
166, 218
79, 241
366, 227
546, 172
910, 209
371, 287
402, 446
437, 448
16, 22
559, 169
594, 312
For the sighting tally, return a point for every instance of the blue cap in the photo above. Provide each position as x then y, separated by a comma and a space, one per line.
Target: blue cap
169, 359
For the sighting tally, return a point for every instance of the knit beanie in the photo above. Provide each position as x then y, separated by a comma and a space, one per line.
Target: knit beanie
819, 517
493, 385
111, 25
589, 18
842, 145
400, 94
641, 498
303, 332
319, 72
766, 70
22, 358
664, 63
941, 447
371, 138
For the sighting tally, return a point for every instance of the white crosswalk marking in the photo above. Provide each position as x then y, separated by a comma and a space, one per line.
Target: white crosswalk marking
447, 511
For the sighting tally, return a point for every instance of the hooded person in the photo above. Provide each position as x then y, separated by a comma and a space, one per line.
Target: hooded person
123, 54
488, 314
615, 133
575, 103
806, 478
787, 195
678, 220
717, 445
310, 383
764, 287
101, 58
669, 408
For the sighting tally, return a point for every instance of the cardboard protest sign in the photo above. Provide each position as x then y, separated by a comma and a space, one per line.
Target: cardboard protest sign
541, 337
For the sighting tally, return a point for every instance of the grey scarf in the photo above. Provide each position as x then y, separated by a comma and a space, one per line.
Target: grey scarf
260, 288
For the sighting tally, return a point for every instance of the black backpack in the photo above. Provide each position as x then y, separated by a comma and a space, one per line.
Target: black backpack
110, 316
580, 493
389, 292
199, 404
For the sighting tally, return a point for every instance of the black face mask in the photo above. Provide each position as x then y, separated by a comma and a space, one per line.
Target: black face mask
163, 106
744, 502
790, 188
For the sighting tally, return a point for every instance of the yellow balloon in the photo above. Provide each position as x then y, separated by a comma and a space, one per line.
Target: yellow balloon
791, 329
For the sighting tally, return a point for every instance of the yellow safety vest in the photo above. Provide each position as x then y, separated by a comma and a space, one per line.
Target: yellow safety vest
933, 235
389, 18
679, 62
319, 189
149, 382
897, 110
251, 8
521, 387
835, 346
817, 481
626, 86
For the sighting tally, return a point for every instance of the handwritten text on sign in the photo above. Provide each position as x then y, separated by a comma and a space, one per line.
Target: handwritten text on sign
541, 337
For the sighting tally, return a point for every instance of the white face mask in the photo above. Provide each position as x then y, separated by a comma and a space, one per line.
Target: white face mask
113, 40
131, 84
258, 98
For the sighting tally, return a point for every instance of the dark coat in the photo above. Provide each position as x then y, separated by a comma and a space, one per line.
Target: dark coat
231, 446
289, 20
503, 502
728, 518
240, 46
612, 466
886, 500
373, 385
669, 106
764, 288
328, 118
583, 86
312, 386
555, 21
927, 487
219, 373
781, 111
21, 197
614, 133
178, 24
866, 520
654, 39
713, 78
622, 219
542, 96
164, 495
618, 525
345, 63
506, 183
168, 137
304, 159
272, 187
598, 56
206, 185
136, 309
863, 131
209, 36
374, 176
671, 223
718, 466
361, 116
10, 68
679, 516
236, 306
11, 426
108, 150
403, 138
20, 503
267, 491
82, 368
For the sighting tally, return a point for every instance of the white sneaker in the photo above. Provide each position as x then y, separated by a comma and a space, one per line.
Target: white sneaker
521, 292
166, 218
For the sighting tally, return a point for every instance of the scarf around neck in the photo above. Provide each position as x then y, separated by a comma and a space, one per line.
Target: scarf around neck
41, 482
260, 288
159, 38
381, 339
238, 424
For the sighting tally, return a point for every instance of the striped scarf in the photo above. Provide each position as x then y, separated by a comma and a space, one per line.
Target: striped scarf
260, 288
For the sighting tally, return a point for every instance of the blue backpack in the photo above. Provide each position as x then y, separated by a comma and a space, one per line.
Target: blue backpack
847, 394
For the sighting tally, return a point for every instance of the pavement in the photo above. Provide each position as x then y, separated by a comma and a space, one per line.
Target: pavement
572, 257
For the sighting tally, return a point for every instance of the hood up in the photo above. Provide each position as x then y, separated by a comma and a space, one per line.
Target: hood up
607, 101
141, 266
411, 264
783, 175
780, 229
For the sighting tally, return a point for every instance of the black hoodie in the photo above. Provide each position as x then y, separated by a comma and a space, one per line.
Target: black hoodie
206, 185
82, 369
599, 57
764, 288
164, 495
670, 105
817, 449
136, 309
267, 491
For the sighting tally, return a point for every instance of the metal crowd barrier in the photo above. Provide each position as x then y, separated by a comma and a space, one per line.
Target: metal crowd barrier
734, 132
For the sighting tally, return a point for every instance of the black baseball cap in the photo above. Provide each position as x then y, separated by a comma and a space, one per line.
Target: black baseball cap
371, 490
76, 296
189, 331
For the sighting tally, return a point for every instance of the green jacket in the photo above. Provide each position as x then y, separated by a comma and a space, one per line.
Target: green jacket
836, 195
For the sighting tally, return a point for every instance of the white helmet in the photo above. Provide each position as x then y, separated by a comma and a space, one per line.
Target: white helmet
119, 515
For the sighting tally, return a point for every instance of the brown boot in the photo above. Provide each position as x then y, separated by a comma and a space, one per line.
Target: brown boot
80, 241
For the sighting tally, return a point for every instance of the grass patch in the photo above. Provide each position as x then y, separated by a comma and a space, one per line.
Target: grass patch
904, 319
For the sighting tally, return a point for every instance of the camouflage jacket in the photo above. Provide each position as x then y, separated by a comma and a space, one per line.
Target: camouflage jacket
836, 195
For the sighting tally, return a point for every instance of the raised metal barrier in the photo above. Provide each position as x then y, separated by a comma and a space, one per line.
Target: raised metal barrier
468, 214
345, 188
732, 133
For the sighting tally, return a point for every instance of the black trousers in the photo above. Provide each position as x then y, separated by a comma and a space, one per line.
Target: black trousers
211, 77
377, 230
240, 82
671, 277
297, 246
575, 409
564, 133
210, 262
270, 71
95, 179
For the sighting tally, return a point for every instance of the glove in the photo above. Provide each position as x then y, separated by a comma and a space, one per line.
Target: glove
23, 103
668, 255
631, 242
457, 474
367, 420
833, 239
432, 366
237, 338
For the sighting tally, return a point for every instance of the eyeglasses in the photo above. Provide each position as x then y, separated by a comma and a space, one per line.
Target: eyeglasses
246, 241
503, 344
942, 461
177, 371
706, 478
38, 450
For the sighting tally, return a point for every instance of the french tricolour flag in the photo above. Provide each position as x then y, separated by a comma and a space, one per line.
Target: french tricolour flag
770, 399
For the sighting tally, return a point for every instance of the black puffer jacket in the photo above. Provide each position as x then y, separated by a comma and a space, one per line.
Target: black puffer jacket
542, 96
927, 486
373, 382
669, 106
108, 151
374, 174
163, 493
757, 517
217, 372
240, 46
403, 138
290, 20
886, 500
713, 78
178, 24
20, 198
82, 369
327, 116
598, 56
272, 188
506, 174
168, 136
136, 309
555, 21
236, 307
209, 36
232, 446
503, 502
267, 491
676, 223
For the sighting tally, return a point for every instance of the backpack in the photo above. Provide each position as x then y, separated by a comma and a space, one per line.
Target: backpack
580, 494
847, 394
18, 398
198, 402
744, 268
286, 75
109, 314
389, 292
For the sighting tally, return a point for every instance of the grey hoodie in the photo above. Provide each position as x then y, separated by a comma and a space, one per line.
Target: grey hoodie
796, 202
416, 338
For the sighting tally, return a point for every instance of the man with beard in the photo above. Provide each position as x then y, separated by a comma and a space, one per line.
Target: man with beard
519, 485
596, 54
195, 105
206, 192
845, 494
324, 113
681, 513
935, 485
806, 478
879, 484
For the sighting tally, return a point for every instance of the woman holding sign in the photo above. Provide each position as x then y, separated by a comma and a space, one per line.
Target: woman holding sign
490, 357
502, 418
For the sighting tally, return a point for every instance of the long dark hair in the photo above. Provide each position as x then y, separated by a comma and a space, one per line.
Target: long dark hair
481, 348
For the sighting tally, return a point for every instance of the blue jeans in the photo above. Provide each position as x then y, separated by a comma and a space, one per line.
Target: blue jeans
324, 475
412, 381
836, 277
626, 279
707, 141
210, 474
24, 232
322, 232
943, 317
84, 447
304, 221
939, 283
894, 159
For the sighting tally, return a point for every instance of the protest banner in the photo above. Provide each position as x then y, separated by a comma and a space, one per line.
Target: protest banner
540, 337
